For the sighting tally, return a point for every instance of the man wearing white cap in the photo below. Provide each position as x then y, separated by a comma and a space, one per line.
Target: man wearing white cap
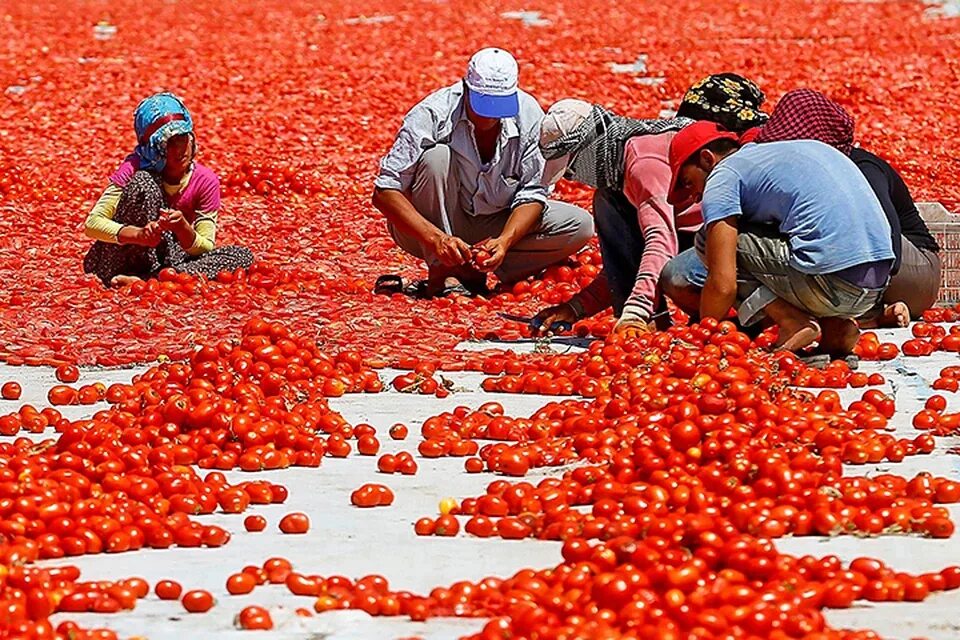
465, 172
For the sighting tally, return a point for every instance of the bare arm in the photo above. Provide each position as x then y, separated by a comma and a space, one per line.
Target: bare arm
720, 290
521, 222
402, 214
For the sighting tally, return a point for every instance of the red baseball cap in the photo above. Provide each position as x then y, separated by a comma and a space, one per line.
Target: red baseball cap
688, 142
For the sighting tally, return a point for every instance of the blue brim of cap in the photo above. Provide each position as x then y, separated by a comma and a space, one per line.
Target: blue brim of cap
494, 106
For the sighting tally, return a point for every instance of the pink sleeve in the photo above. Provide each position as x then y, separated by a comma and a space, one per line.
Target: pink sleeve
129, 166
646, 183
208, 190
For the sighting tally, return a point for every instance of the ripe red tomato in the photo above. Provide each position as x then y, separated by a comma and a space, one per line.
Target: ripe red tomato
387, 463
301, 585
480, 526
67, 373
168, 590
446, 525
936, 403
11, 391
939, 527
398, 431
513, 463
368, 446
254, 617
240, 583
295, 523
197, 601
951, 343
62, 395
425, 527
255, 523
407, 465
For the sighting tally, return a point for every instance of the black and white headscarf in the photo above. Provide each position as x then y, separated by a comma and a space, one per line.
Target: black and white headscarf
595, 147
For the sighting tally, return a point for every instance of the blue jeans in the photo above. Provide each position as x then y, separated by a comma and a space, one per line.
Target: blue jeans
685, 270
621, 243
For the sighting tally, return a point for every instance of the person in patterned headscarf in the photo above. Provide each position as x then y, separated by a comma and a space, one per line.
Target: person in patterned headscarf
626, 160
160, 207
728, 99
805, 114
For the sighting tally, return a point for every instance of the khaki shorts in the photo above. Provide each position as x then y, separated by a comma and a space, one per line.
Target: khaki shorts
764, 274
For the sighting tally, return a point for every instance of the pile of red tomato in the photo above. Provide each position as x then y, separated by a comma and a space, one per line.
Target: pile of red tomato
695, 451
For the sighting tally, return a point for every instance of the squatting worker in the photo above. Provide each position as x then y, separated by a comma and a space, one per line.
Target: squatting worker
466, 169
626, 160
805, 114
777, 239
160, 208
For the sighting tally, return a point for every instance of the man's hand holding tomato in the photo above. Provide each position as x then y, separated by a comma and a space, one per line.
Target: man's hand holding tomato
450, 250
488, 255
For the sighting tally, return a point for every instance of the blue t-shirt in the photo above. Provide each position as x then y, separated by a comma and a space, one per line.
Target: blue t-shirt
815, 195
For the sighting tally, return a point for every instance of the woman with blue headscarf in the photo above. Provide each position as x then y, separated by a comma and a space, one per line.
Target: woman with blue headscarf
160, 208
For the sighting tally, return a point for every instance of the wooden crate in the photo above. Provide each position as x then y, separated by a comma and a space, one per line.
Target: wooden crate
945, 227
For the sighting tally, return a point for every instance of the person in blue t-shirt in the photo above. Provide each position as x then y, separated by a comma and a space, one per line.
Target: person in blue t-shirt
792, 232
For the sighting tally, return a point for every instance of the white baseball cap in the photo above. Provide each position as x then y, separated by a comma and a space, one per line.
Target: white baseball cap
492, 84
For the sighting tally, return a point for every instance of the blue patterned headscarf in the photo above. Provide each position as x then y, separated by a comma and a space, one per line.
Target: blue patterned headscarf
156, 120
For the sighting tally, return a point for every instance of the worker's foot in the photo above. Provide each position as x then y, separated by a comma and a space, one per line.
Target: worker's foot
122, 281
839, 336
436, 282
797, 329
895, 315
797, 333
472, 280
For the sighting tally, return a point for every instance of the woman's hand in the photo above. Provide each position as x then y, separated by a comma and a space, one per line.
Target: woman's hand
148, 236
552, 316
632, 328
175, 221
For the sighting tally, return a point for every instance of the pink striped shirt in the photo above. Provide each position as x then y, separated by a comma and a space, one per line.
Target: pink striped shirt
646, 183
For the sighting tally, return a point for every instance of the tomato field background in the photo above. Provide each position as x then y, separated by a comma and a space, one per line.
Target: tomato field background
318, 89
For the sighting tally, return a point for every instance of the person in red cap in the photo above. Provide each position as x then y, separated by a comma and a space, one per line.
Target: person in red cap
777, 239
462, 187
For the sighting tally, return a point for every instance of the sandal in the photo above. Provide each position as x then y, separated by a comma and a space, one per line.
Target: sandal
417, 290
815, 361
392, 284
387, 285
852, 360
